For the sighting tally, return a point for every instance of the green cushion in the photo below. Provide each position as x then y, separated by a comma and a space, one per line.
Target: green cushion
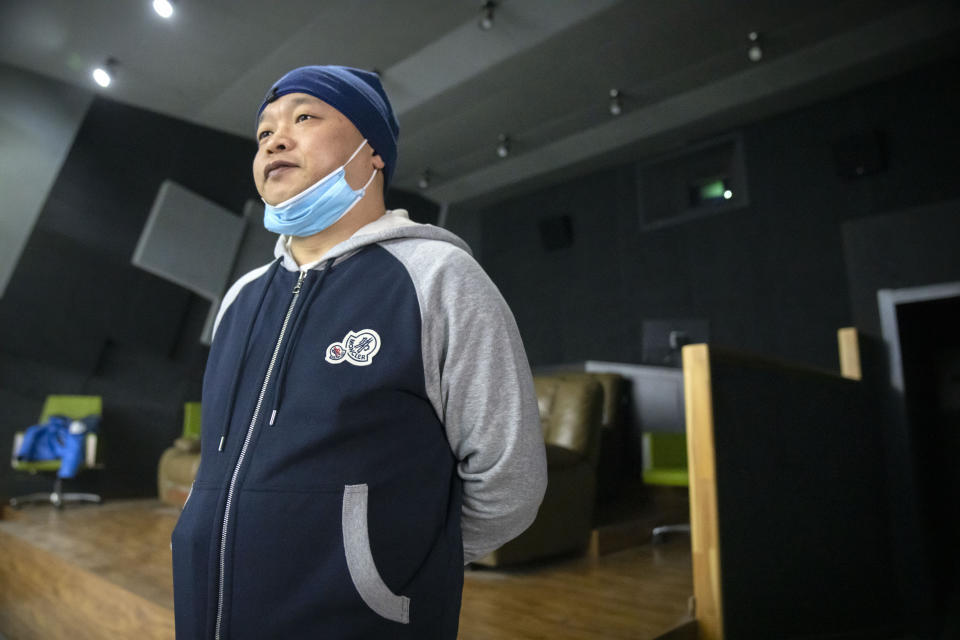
76, 407
665, 459
667, 477
664, 450
36, 466
191, 420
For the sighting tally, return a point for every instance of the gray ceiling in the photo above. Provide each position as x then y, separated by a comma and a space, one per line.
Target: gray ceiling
542, 75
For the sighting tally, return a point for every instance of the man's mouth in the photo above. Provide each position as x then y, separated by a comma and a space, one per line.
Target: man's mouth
276, 168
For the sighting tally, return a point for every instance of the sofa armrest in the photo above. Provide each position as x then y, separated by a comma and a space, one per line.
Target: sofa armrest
187, 445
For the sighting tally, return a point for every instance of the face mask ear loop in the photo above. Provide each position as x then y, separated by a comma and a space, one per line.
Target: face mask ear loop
355, 153
372, 176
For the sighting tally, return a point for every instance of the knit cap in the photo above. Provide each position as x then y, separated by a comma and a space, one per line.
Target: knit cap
355, 93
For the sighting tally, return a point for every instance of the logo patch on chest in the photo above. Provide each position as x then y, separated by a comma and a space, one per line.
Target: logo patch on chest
357, 348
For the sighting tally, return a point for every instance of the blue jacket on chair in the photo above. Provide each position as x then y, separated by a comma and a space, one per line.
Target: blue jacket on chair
58, 439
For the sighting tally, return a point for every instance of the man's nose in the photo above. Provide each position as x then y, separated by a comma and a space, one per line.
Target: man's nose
279, 141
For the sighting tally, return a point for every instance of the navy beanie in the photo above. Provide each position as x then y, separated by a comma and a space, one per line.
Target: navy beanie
355, 93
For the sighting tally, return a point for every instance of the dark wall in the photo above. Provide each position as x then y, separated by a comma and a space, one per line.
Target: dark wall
882, 253
770, 277
78, 318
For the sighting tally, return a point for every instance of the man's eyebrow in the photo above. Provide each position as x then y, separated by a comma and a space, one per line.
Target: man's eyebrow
294, 102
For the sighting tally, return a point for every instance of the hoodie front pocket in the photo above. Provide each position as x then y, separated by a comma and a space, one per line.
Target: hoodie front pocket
363, 571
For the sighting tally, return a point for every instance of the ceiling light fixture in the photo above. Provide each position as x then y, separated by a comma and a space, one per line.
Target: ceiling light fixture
164, 8
503, 149
103, 75
755, 52
486, 17
616, 106
424, 181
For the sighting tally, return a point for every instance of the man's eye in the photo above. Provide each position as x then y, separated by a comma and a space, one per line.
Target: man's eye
262, 135
303, 116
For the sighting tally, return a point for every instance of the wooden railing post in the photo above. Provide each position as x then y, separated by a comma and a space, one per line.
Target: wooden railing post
704, 532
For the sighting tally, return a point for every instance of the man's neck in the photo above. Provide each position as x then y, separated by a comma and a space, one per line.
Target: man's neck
312, 248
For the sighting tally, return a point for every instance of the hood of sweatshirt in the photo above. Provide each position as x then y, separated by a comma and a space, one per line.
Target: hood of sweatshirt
393, 225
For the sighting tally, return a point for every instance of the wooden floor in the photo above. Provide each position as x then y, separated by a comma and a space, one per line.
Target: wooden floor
62, 574
636, 593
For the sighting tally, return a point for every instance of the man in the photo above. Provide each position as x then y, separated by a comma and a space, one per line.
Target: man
369, 418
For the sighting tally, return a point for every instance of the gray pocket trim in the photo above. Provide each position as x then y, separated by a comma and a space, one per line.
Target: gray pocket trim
363, 572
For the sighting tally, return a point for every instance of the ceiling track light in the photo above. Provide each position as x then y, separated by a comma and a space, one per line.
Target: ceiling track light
616, 102
164, 8
486, 15
755, 50
503, 149
424, 181
103, 75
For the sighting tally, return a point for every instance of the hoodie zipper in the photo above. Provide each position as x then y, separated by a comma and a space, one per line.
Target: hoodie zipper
246, 444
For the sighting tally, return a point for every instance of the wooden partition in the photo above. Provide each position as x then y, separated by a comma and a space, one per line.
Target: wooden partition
848, 344
788, 503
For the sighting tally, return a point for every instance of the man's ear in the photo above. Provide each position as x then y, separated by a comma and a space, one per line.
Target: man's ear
378, 162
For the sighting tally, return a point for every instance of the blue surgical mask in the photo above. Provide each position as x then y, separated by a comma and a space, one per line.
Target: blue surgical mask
318, 206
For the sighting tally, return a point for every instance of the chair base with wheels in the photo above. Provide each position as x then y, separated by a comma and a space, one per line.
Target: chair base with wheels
57, 497
660, 532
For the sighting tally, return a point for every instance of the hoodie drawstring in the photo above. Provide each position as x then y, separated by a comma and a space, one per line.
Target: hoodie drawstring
294, 336
235, 384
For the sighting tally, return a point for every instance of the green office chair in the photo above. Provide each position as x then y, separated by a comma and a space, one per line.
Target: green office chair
75, 407
665, 464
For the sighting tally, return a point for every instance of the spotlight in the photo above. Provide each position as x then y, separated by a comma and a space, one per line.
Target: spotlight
103, 75
503, 149
424, 180
486, 17
616, 106
727, 194
164, 8
755, 52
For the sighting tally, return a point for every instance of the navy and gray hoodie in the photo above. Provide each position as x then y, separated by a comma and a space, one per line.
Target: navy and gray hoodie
369, 426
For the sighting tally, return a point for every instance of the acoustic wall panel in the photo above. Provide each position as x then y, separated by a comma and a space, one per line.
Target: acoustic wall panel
189, 240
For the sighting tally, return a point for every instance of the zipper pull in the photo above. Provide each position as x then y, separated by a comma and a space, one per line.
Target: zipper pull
296, 288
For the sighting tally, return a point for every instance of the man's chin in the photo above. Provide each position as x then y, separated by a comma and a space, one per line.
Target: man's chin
273, 197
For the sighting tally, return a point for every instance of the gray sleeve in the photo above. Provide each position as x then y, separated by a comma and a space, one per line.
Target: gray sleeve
479, 383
